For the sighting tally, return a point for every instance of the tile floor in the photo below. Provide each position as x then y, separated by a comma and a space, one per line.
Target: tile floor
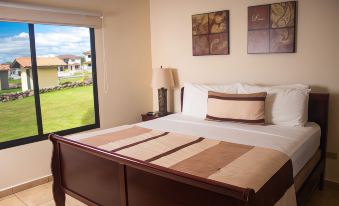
42, 196
36, 196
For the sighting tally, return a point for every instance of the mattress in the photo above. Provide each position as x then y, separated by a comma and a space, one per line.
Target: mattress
299, 143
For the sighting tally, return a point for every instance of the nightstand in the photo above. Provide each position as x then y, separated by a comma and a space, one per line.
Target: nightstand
146, 117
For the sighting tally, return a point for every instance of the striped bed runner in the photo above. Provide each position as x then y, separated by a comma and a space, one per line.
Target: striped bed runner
268, 172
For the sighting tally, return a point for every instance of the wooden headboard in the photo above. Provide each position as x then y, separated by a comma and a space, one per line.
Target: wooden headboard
317, 112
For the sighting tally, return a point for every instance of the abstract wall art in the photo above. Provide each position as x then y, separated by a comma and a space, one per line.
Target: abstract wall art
272, 28
210, 33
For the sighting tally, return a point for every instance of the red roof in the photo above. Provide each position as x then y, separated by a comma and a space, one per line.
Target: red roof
41, 61
4, 67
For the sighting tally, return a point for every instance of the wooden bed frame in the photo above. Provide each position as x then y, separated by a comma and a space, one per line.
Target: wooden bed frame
97, 177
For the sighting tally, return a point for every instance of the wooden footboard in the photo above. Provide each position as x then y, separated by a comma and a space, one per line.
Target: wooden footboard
96, 177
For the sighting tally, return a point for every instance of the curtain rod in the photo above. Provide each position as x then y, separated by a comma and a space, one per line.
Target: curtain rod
49, 9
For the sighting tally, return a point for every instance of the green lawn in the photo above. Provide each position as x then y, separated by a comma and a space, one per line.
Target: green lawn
6, 91
71, 79
61, 110
14, 81
79, 77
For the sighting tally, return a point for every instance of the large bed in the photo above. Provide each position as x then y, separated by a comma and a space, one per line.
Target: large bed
98, 177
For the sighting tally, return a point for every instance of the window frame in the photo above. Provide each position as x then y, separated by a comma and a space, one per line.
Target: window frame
41, 136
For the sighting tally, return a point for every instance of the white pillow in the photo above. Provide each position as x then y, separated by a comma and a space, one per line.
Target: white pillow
285, 105
292, 86
195, 97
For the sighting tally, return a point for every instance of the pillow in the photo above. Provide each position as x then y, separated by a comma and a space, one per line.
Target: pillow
293, 86
245, 108
195, 97
286, 86
285, 105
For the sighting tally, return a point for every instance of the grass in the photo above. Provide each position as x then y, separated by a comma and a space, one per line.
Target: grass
79, 77
14, 81
64, 109
71, 79
6, 91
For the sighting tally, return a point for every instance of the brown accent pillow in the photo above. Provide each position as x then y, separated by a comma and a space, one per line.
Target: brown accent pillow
245, 108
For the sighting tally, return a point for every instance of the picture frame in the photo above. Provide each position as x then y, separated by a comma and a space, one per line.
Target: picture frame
210, 33
272, 28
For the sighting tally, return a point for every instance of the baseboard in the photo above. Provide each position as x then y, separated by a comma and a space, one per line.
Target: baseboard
25, 186
331, 184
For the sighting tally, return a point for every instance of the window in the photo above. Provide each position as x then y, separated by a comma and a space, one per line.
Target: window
17, 118
48, 95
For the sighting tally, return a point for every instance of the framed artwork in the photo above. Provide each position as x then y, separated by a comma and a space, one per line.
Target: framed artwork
272, 28
210, 33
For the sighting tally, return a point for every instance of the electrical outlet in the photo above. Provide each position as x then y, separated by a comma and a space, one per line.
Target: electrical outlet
331, 155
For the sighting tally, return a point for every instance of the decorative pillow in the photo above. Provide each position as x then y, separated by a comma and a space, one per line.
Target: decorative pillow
195, 97
245, 108
285, 105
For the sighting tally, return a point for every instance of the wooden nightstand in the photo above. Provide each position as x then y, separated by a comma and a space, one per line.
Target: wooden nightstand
146, 117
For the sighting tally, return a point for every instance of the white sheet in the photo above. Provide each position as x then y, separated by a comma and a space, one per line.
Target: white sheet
299, 143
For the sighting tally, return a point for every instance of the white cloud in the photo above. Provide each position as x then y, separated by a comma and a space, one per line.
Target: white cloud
68, 41
22, 35
49, 42
14, 46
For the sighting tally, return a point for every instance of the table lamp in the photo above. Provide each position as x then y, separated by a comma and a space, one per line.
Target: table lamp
162, 80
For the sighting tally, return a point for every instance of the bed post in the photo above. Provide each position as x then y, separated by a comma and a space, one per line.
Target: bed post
318, 112
58, 192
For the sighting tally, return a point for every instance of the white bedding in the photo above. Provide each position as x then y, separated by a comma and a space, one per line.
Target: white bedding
299, 143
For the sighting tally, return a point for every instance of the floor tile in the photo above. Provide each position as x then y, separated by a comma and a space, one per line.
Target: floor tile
70, 201
6, 197
11, 200
36, 195
73, 201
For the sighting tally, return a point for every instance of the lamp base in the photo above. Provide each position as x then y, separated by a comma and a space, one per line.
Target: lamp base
162, 98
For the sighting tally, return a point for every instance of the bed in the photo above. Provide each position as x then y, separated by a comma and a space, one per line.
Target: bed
97, 177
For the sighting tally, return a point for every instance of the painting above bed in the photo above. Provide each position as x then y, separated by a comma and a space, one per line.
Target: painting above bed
272, 28
210, 33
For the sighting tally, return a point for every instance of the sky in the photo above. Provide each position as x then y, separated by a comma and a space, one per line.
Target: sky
50, 40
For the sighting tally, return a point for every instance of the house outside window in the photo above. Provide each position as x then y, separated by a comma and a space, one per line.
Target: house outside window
88, 60
71, 61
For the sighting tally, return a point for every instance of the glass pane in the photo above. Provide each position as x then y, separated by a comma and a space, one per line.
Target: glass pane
65, 77
17, 103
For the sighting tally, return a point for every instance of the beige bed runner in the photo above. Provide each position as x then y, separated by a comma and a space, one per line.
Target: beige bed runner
268, 172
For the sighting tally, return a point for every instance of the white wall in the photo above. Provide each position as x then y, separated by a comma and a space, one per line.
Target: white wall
24, 82
316, 62
128, 55
24, 163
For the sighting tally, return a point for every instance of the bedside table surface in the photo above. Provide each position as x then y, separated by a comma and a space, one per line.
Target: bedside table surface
146, 117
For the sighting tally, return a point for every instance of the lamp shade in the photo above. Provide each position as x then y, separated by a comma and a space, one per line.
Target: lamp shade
162, 78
